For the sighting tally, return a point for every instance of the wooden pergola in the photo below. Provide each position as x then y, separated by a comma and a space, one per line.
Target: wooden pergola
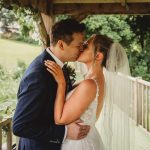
79, 9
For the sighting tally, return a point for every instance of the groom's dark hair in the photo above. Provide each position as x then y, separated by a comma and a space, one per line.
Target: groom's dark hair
64, 29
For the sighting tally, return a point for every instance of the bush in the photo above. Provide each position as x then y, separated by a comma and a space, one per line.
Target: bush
9, 82
21, 67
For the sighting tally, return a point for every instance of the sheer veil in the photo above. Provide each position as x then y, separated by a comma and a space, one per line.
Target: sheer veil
114, 123
117, 60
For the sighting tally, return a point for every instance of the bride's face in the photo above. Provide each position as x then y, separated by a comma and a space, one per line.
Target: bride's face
87, 55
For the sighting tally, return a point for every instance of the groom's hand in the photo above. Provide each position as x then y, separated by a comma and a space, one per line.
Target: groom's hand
77, 130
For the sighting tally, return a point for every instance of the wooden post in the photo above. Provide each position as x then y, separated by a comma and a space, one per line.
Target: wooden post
45, 27
139, 103
135, 105
6, 123
0, 137
148, 109
142, 88
9, 136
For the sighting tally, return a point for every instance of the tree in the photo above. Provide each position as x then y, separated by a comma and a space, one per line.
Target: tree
132, 32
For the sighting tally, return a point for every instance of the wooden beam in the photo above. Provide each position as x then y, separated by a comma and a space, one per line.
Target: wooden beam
113, 8
123, 2
97, 1
79, 16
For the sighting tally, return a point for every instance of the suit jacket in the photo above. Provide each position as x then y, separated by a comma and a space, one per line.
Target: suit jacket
33, 120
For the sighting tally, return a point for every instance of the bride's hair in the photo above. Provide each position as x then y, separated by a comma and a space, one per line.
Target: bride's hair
102, 44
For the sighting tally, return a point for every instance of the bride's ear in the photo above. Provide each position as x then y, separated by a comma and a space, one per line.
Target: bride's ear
99, 56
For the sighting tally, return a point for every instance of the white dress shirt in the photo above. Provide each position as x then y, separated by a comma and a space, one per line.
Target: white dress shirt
61, 64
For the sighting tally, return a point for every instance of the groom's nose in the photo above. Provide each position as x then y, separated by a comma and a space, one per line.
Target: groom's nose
81, 49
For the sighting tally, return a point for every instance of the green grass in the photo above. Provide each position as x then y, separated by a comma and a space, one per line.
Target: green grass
12, 51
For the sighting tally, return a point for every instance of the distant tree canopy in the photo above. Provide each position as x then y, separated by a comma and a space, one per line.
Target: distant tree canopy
133, 32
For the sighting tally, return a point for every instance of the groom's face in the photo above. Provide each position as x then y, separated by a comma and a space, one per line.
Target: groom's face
73, 50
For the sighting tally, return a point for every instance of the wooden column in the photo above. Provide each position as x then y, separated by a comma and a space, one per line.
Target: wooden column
0, 137
6, 123
9, 136
45, 27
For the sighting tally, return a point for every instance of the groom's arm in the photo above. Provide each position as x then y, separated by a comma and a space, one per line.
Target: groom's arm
30, 104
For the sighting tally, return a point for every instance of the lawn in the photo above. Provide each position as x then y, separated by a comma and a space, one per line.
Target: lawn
12, 51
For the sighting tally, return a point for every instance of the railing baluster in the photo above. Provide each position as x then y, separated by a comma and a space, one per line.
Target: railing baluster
148, 109
135, 104
9, 137
146, 104
142, 101
0, 136
139, 104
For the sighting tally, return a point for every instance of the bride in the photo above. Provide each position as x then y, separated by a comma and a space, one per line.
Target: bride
86, 100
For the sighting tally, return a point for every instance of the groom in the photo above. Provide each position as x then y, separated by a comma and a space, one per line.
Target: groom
33, 120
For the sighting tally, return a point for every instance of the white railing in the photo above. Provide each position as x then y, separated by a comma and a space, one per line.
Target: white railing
143, 103
140, 110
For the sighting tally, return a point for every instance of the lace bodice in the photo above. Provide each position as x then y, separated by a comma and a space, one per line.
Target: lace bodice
89, 116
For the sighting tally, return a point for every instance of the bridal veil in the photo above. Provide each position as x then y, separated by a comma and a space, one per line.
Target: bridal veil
114, 123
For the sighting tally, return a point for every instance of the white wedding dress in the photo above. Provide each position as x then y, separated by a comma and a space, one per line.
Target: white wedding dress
93, 140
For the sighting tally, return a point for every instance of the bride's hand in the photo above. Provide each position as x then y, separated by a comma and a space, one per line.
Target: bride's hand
56, 71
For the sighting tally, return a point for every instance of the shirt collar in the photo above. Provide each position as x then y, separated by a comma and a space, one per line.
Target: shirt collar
58, 61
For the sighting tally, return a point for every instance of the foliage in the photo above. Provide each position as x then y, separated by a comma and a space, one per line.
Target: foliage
9, 85
128, 30
23, 22
7, 90
19, 70
140, 25
140, 62
114, 26
7, 18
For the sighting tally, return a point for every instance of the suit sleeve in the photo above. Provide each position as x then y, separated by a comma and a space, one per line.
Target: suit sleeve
29, 106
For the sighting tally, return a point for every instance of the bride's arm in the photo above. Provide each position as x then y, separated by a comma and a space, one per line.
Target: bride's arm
68, 111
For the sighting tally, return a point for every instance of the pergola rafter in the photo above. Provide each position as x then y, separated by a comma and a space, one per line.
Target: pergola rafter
86, 6
101, 6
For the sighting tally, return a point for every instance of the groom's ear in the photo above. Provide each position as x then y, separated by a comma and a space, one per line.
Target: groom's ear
99, 56
61, 44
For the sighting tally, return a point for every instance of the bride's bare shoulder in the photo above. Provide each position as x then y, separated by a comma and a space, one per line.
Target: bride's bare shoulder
88, 84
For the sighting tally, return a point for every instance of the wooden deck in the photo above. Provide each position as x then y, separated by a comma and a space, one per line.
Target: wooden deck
142, 140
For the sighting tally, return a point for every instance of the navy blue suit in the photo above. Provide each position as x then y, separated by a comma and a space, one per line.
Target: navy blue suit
33, 120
